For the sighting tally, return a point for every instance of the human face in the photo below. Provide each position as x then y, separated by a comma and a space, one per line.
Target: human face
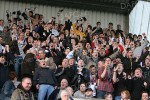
67, 51
147, 62
80, 63
108, 61
64, 95
2, 59
27, 84
109, 97
93, 70
102, 52
71, 61
63, 84
42, 63
120, 67
144, 96
138, 73
95, 54
130, 54
89, 93
21, 36
41, 54
82, 87
123, 95
65, 63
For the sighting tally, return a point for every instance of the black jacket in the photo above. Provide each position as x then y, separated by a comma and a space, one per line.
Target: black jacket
44, 76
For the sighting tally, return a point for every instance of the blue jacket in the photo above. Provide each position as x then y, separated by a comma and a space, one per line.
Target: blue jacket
7, 89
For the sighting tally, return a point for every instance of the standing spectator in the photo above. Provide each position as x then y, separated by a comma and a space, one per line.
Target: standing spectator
9, 86
44, 79
4, 70
64, 71
119, 80
23, 91
49, 61
28, 65
105, 79
82, 74
137, 85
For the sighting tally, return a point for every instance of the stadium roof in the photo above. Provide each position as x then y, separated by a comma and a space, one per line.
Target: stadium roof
116, 6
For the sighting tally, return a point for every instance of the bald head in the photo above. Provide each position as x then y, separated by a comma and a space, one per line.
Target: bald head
26, 83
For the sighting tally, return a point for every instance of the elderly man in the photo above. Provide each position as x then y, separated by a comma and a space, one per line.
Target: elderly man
23, 91
55, 95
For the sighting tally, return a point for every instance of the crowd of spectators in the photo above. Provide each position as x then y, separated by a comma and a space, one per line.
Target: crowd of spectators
45, 60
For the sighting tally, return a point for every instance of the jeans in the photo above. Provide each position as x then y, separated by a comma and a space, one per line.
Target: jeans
43, 90
101, 94
118, 98
18, 62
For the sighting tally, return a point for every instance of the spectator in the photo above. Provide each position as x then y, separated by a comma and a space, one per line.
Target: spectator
56, 93
125, 95
44, 79
119, 80
81, 92
28, 65
70, 91
64, 71
145, 96
105, 79
49, 61
23, 90
137, 85
108, 96
64, 95
81, 74
4, 71
88, 93
9, 86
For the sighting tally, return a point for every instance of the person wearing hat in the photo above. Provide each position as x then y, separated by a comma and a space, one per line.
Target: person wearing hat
88, 93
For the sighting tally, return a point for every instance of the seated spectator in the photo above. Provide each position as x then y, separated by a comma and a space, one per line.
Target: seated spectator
70, 91
64, 95
45, 80
88, 93
145, 96
9, 87
23, 90
108, 96
55, 95
125, 95
81, 92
